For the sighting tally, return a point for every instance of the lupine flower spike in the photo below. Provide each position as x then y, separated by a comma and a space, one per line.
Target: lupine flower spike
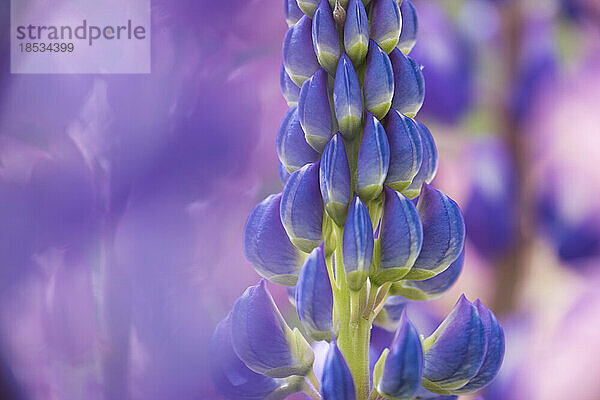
358, 220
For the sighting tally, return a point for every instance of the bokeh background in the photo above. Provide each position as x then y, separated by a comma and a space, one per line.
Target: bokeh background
123, 197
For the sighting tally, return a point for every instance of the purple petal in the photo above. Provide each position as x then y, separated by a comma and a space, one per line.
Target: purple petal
379, 81
410, 27
302, 208
290, 90
385, 23
314, 110
356, 32
334, 177
268, 247
292, 12
432, 288
443, 234
406, 150
337, 382
299, 56
292, 149
455, 351
401, 237
347, 98
262, 339
314, 296
325, 37
409, 87
428, 165
373, 159
357, 244
230, 375
403, 366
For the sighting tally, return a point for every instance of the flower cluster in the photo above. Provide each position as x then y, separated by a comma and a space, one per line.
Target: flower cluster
356, 225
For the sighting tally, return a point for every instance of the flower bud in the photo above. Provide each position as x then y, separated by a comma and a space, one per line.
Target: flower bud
357, 244
373, 159
292, 149
347, 98
308, 7
314, 111
409, 87
325, 37
494, 353
410, 27
455, 351
292, 12
356, 32
400, 238
432, 288
290, 90
428, 165
337, 382
386, 23
379, 80
262, 339
302, 208
406, 150
314, 297
400, 371
299, 56
334, 177
267, 246
232, 378
443, 234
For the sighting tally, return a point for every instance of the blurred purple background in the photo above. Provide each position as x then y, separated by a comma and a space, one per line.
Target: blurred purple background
123, 198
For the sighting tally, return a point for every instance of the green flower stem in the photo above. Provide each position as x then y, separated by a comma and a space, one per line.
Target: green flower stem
355, 333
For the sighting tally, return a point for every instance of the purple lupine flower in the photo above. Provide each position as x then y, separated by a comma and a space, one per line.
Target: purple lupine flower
406, 150
356, 32
358, 244
314, 110
299, 57
347, 98
337, 383
390, 315
379, 81
386, 24
314, 299
334, 175
267, 245
263, 340
325, 37
432, 288
292, 149
429, 165
373, 159
301, 208
398, 373
410, 27
443, 234
409, 85
456, 350
400, 238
